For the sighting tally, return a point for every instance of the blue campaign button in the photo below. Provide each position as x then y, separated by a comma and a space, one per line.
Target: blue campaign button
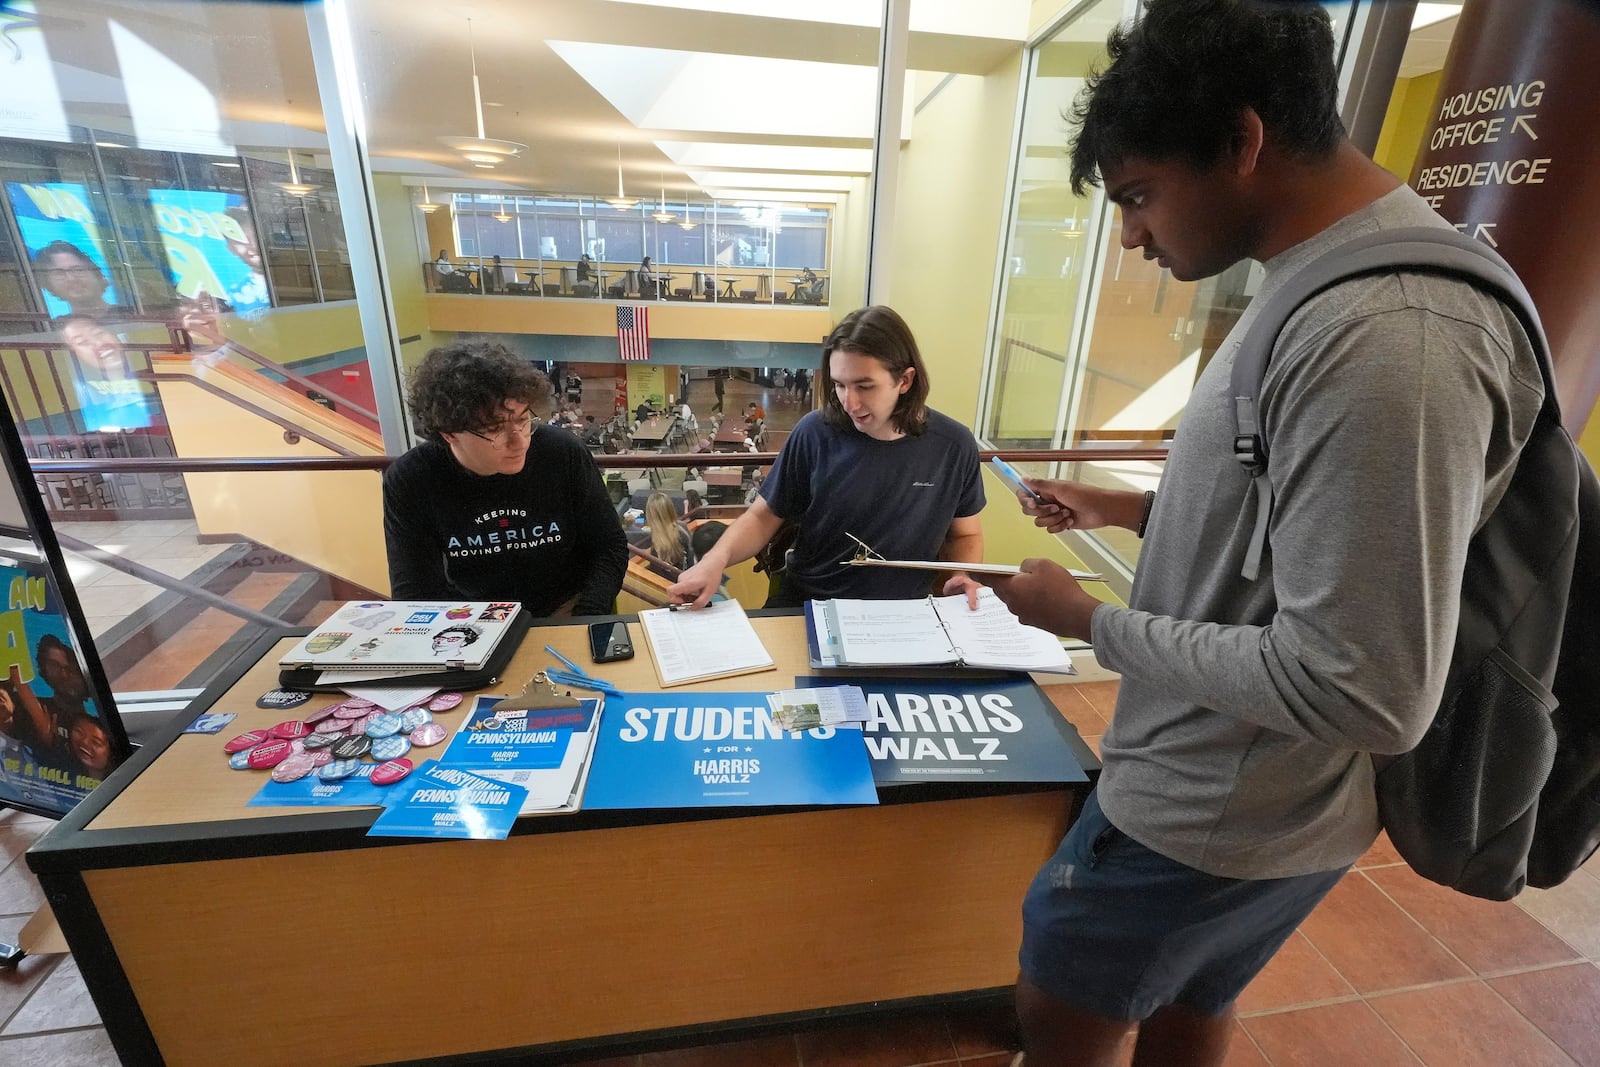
392, 747
414, 718
240, 761
384, 725
339, 768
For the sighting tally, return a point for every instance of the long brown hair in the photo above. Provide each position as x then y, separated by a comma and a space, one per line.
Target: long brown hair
881, 333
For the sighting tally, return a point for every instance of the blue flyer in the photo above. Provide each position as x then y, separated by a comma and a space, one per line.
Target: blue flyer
437, 801
313, 792
933, 729
210, 723
693, 750
516, 740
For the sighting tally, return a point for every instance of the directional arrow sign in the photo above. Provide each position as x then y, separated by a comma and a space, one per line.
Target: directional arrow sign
1521, 123
1482, 233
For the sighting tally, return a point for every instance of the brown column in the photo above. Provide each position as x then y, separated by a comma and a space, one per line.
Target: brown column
1512, 157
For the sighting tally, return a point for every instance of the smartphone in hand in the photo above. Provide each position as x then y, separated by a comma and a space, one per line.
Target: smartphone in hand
1013, 477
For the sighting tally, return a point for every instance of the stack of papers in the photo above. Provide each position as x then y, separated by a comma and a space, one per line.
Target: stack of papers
842, 706
544, 751
695, 645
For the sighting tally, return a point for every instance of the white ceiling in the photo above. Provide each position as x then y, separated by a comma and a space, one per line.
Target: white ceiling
698, 94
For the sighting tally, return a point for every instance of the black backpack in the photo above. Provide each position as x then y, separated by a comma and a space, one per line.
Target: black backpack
1504, 789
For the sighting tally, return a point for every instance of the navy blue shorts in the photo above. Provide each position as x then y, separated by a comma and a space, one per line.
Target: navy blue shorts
1116, 929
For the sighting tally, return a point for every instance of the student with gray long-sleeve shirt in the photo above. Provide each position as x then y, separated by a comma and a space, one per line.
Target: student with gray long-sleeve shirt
1237, 784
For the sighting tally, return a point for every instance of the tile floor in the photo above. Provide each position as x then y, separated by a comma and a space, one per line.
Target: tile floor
108, 596
1390, 969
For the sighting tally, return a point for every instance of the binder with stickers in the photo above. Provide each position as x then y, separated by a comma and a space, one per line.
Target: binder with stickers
451, 644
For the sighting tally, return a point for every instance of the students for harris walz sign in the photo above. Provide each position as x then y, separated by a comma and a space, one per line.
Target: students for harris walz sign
689, 750
54, 742
928, 729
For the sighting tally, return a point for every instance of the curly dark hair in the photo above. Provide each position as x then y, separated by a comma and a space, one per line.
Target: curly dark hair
42, 257
881, 333
461, 387
1180, 78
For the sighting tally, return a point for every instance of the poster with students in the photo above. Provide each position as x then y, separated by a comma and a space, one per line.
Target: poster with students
66, 242
55, 741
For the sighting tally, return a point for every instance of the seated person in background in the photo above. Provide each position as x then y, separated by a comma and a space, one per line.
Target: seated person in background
875, 462
669, 538
585, 268
754, 412
702, 540
489, 506
442, 267
692, 503
642, 412
593, 433
492, 277
647, 279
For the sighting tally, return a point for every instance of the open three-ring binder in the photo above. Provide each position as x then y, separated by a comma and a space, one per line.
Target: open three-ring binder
930, 632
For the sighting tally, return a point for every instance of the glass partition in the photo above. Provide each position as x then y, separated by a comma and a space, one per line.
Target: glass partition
177, 304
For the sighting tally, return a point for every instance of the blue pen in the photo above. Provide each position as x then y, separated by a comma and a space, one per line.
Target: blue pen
582, 681
569, 664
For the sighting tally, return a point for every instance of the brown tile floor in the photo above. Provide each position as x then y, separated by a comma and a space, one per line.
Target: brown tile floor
1389, 970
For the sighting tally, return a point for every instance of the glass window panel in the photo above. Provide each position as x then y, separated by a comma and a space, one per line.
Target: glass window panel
189, 238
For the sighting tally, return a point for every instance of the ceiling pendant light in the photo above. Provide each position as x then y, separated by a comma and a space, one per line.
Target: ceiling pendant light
661, 214
622, 202
686, 223
481, 151
427, 207
502, 215
294, 186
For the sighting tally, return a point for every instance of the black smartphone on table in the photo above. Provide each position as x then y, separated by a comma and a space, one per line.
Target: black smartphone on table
609, 641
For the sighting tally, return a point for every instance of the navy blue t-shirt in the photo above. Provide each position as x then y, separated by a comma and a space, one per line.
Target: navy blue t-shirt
898, 496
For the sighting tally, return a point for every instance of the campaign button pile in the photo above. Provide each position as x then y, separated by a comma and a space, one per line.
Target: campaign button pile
333, 743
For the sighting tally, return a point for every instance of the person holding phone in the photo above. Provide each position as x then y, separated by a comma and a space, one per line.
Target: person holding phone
875, 462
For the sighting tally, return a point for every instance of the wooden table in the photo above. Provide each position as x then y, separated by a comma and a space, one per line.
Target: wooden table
212, 932
653, 431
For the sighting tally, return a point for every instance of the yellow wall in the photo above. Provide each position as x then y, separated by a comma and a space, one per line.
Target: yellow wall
1405, 123
942, 277
403, 260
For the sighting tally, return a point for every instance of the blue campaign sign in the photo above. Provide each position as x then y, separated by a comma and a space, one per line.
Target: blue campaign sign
931, 729
436, 801
211, 246
313, 792
516, 740
694, 750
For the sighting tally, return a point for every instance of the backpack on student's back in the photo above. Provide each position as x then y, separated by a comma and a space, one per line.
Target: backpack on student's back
1504, 789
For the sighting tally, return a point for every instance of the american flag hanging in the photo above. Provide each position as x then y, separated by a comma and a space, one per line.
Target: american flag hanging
633, 332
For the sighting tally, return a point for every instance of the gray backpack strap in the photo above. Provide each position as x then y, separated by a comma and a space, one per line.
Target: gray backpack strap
1424, 248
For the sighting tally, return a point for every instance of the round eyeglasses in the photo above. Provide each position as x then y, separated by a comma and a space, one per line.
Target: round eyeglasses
501, 435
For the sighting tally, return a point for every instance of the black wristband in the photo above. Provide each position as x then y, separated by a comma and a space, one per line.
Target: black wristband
1144, 516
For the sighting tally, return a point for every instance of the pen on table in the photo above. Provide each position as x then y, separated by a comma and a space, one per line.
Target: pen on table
567, 662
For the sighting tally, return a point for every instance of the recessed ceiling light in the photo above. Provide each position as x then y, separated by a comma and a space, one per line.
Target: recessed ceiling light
222, 163
492, 103
109, 144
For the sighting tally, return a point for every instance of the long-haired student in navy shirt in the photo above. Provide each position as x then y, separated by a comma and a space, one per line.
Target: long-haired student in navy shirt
877, 463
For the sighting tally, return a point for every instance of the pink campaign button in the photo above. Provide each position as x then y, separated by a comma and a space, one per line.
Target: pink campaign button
245, 740
391, 772
429, 733
444, 701
269, 754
